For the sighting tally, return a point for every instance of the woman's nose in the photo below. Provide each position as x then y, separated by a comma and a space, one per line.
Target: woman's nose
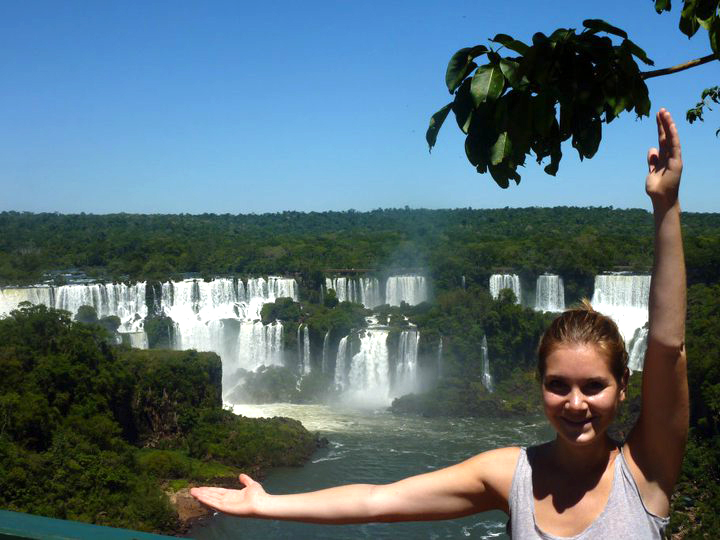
576, 400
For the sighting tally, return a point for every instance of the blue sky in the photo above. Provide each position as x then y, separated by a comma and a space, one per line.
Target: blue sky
238, 107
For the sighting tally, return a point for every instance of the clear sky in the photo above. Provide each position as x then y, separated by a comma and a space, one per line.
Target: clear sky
239, 107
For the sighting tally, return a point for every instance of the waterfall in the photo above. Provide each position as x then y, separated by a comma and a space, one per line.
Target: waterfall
637, 348
364, 290
440, 359
499, 282
137, 340
410, 289
299, 343
550, 293
406, 366
325, 367
303, 344
369, 375
624, 298
223, 316
127, 302
487, 380
341, 365
11, 298
463, 282
366, 377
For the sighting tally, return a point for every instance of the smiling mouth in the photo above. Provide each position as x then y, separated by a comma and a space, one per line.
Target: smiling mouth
578, 423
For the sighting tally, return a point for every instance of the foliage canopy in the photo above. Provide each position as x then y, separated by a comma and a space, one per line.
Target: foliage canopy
558, 87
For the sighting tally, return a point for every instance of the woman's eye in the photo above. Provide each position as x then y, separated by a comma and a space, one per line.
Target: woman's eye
556, 386
594, 387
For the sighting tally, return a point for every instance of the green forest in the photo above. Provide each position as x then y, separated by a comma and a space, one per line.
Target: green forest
457, 249
94, 432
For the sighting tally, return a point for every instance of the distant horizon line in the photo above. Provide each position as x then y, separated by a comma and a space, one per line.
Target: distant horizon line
346, 211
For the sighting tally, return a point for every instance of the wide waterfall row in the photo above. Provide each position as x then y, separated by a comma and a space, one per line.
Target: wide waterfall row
499, 282
363, 290
368, 376
625, 298
124, 301
549, 293
411, 289
223, 316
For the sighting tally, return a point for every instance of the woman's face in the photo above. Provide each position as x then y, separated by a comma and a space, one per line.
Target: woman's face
580, 393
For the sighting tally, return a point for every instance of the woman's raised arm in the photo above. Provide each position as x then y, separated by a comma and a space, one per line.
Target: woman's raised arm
657, 442
478, 484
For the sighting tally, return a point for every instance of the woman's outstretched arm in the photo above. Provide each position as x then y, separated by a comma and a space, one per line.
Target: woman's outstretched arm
478, 484
657, 442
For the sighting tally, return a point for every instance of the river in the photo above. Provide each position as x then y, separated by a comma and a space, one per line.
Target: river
375, 446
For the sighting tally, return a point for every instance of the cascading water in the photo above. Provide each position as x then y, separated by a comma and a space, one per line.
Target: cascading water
324, 365
411, 289
406, 364
341, 380
440, 359
550, 293
366, 378
487, 380
637, 349
624, 298
11, 298
499, 282
369, 374
223, 316
363, 290
303, 341
127, 302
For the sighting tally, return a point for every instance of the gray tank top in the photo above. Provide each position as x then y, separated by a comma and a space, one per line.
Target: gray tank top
624, 516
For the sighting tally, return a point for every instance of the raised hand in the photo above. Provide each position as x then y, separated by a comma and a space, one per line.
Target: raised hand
665, 163
238, 502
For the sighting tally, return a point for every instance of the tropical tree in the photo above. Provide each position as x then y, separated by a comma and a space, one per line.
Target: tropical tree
559, 87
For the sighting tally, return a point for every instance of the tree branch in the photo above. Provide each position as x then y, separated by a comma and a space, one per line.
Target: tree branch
679, 67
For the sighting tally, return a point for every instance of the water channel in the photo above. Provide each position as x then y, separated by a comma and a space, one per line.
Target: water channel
375, 446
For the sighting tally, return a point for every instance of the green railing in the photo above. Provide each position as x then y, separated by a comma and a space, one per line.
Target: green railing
23, 526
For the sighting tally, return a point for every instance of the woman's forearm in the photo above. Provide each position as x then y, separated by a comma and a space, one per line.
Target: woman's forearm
667, 307
339, 505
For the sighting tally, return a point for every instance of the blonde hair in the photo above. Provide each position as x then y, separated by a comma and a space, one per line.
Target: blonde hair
584, 325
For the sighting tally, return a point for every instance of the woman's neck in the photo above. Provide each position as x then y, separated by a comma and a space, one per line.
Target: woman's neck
590, 457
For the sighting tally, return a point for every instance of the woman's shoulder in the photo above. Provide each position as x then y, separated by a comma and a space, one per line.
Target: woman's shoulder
496, 468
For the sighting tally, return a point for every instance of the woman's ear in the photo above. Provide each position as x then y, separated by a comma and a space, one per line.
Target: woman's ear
624, 384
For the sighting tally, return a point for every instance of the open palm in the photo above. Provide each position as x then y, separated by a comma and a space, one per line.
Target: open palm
239, 502
664, 162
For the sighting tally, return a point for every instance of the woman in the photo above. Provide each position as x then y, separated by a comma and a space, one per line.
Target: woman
580, 485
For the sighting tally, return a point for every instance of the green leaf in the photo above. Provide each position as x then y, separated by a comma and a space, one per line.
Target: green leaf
598, 25
587, 139
487, 83
554, 165
461, 65
638, 52
436, 122
463, 106
640, 95
501, 149
714, 34
543, 111
509, 43
705, 9
475, 152
688, 22
509, 69
499, 174
662, 5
